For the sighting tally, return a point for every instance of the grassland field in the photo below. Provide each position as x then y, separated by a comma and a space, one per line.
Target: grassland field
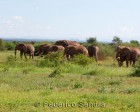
25, 86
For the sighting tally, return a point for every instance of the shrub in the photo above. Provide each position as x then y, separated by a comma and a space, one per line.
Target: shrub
81, 59
136, 72
78, 85
106, 50
52, 59
102, 89
10, 58
9, 45
5, 69
57, 73
2, 45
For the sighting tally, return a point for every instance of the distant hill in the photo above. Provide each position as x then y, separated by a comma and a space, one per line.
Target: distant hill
37, 39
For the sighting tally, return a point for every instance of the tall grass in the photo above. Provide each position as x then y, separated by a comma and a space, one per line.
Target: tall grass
26, 85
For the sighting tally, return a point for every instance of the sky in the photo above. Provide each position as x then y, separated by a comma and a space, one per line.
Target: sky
70, 19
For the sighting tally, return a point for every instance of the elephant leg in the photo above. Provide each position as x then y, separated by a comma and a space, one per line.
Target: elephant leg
32, 56
21, 54
96, 58
120, 63
130, 62
68, 57
127, 63
25, 55
133, 63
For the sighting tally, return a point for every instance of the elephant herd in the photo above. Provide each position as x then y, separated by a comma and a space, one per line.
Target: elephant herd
69, 48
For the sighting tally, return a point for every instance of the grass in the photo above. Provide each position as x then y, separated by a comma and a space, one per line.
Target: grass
104, 87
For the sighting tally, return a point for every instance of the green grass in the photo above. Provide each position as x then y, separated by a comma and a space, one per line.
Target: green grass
104, 87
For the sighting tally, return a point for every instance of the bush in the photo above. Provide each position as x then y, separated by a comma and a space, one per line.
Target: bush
57, 72
52, 59
2, 45
10, 46
81, 59
106, 50
10, 58
78, 85
136, 72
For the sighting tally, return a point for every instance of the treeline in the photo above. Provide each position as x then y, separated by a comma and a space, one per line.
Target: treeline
106, 49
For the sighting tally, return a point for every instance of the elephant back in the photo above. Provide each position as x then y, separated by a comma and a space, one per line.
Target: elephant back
126, 51
20, 47
29, 48
57, 48
82, 50
66, 43
69, 50
41, 47
47, 49
119, 48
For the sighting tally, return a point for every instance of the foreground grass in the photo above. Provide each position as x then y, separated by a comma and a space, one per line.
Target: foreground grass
103, 87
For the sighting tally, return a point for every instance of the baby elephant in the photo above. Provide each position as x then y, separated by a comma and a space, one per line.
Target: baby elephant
25, 49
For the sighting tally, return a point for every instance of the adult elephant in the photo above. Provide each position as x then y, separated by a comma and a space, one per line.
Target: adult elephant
52, 48
25, 49
118, 50
56, 48
93, 51
135, 54
70, 51
128, 54
40, 49
65, 43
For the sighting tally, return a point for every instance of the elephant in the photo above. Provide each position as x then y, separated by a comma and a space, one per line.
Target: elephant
25, 49
93, 51
52, 48
129, 55
65, 43
118, 50
40, 49
71, 50
57, 48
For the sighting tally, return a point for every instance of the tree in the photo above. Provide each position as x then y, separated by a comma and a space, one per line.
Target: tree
116, 40
134, 42
92, 40
9, 45
2, 45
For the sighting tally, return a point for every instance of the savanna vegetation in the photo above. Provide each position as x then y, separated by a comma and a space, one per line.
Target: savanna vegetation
54, 84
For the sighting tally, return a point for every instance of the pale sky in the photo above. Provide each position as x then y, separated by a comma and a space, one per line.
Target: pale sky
70, 19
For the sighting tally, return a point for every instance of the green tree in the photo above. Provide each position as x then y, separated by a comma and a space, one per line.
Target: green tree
116, 40
134, 42
2, 45
92, 40
9, 45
